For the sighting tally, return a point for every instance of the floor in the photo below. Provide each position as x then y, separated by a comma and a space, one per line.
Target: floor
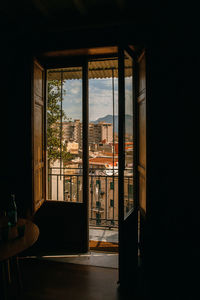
98, 259
90, 276
92, 258
50, 280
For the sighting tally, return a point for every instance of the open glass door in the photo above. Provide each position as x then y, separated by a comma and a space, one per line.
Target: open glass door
63, 218
128, 204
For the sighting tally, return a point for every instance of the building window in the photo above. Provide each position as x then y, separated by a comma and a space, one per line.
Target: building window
111, 202
130, 190
98, 204
112, 185
98, 218
98, 182
112, 222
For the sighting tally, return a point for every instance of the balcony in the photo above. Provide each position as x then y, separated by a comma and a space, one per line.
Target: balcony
65, 184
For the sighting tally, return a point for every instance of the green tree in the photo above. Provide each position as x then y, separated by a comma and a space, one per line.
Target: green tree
55, 146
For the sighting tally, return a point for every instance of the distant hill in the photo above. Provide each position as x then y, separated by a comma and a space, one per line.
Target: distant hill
109, 119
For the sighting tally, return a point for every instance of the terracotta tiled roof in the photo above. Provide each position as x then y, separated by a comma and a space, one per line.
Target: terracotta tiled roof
109, 154
103, 160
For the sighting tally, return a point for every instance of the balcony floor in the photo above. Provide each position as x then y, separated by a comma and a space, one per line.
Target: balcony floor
103, 235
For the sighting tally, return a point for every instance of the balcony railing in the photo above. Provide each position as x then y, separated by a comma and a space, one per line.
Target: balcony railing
103, 193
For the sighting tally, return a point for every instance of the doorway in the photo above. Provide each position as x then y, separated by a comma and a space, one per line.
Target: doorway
65, 152
71, 215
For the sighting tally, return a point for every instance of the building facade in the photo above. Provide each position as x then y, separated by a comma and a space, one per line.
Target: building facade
101, 132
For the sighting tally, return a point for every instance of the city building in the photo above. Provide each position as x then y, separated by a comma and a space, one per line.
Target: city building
72, 131
73, 147
100, 132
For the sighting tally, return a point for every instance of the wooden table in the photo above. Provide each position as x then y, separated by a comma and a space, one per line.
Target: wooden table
15, 244
9, 249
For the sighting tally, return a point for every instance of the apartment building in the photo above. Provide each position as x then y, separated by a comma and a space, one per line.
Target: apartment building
100, 132
72, 131
106, 132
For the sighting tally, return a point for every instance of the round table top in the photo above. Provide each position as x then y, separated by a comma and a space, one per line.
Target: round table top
15, 244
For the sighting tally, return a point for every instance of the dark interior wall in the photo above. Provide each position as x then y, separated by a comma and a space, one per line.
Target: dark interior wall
15, 122
171, 220
165, 231
167, 249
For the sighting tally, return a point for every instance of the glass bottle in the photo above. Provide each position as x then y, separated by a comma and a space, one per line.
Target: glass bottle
12, 211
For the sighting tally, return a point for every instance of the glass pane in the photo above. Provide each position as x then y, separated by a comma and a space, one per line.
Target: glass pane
64, 134
103, 142
128, 135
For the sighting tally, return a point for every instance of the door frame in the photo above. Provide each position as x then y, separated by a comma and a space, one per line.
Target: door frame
84, 60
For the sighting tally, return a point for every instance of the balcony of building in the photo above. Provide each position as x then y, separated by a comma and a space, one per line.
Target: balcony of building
65, 184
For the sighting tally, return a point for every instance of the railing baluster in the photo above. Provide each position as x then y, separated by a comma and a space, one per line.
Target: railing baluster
63, 187
128, 194
106, 200
77, 195
50, 184
70, 188
91, 194
99, 200
57, 187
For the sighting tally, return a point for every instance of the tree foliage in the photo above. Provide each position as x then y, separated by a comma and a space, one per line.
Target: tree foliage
55, 146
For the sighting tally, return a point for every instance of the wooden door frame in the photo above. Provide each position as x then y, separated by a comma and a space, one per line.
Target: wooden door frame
35, 206
121, 119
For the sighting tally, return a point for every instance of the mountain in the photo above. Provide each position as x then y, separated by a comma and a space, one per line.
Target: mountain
109, 119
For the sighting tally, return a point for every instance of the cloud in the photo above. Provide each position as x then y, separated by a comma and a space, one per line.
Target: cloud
73, 92
100, 98
73, 86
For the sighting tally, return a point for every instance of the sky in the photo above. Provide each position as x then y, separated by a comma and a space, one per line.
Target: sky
100, 98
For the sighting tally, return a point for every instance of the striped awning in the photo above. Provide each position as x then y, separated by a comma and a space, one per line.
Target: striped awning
97, 69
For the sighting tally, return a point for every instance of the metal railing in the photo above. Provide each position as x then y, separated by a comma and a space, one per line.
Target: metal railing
103, 193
